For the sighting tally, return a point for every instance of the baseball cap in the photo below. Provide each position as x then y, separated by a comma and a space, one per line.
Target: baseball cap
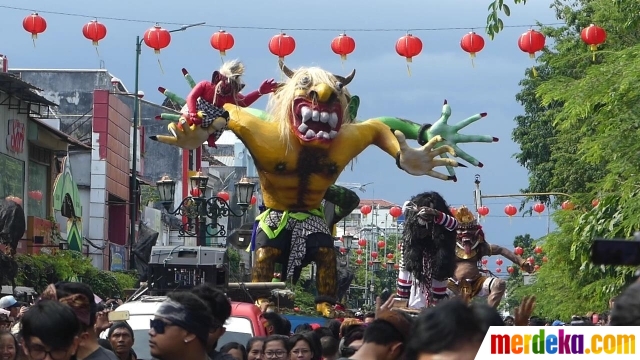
557, 323
8, 302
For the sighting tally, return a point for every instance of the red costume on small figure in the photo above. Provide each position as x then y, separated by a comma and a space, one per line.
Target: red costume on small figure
208, 97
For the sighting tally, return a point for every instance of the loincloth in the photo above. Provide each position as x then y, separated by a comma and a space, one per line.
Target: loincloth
294, 232
210, 113
468, 289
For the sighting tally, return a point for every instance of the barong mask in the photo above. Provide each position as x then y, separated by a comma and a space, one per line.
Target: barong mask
469, 234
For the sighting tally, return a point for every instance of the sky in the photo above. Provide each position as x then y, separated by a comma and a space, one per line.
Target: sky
442, 71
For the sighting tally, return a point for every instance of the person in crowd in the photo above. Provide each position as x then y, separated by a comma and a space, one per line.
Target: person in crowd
220, 307
276, 324
384, 337
322, 332
80, 298
509, 321
236, 350
330, 348
8, 346
121, 338
352, 341
334, 326
254, 348
626, 308
303, 347
180, 328
369, 317
347, 324
536, 321
5, 322
451, 330
302, 328
50, 331
486, 315
10, 304
557, 323
275, 347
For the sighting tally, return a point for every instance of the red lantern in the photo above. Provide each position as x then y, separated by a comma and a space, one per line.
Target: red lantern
511, 269
362, 242
254, 199
222, 41
94, 31
390, 256
539, 208
485, 261
224, 196
519, 251
499, 262
483, 211
545, 259
374, 254
370, 263
396, 267
409, 46
282, 45
359, 251
453, 210
343, 45
395, 212
34, 24
365, 210
343, 250
595, 202
567, 205
510, 210
537, 250
381, 244
498, 270
157, 38
472, 43
536, 268
359, 261
531, 42
531, 260
593, 36
195, 192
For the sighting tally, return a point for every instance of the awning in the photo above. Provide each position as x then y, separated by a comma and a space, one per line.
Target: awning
60, 135
22, 90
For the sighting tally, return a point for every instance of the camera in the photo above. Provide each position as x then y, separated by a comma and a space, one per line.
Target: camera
619, 252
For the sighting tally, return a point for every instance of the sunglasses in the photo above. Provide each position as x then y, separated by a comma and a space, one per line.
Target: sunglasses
158, 326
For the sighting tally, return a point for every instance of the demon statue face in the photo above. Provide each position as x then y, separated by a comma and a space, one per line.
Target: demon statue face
470, 235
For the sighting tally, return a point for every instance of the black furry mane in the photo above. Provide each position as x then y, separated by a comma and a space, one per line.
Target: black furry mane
428, 251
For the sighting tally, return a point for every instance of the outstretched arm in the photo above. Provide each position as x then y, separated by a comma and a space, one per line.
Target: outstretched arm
499, 250
198, 91
345, 200
247, 100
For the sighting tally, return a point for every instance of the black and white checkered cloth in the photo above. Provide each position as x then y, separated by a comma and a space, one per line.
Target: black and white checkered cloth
210, 113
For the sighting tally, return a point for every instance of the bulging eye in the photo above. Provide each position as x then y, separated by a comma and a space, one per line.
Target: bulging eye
304, 81
339, 86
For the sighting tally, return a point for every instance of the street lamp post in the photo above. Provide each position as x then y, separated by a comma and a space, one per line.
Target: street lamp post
136, 115
197, 208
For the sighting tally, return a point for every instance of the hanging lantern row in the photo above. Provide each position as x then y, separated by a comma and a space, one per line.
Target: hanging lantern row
568, 205
283, 45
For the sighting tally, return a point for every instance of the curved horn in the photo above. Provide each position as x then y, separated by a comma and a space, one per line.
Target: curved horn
288, 72
346, 80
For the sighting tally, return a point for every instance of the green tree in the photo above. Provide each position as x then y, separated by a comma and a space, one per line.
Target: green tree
494, 22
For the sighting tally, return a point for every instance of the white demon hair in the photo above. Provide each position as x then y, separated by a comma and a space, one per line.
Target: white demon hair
233, 69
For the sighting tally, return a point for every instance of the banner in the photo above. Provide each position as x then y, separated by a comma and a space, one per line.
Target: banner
584, 342
118, 254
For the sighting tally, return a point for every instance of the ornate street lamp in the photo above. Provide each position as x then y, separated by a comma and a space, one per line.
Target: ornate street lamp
376, 265
348, 240
198, 208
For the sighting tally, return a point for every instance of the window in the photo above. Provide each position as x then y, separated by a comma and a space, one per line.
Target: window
37, 190
11, 177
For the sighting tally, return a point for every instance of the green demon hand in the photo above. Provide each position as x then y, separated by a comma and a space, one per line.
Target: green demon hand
450, 134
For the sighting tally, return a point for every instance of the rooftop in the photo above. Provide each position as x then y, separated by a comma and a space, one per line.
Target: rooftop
22, 90
383, 204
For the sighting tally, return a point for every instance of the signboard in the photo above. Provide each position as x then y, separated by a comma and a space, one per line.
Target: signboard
118, 253
16, 136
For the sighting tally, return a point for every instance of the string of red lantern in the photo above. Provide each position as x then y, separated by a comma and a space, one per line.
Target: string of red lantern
362, 242
395, 212
531, 42
539, 208
381, 244
222, 41
499, 262
510, 210
498, 270
157, 38
254, 199
374, 254
365, 210
343, 45
224, 196
483, 211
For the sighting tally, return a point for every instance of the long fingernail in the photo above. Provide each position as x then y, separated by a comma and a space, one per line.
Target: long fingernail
462, 165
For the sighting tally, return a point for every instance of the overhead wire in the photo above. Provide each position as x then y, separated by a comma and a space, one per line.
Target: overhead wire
278, 28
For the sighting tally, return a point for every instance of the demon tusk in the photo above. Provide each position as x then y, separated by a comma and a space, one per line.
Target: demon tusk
288, 72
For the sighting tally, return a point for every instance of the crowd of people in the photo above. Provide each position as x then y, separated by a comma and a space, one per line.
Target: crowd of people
65, 323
